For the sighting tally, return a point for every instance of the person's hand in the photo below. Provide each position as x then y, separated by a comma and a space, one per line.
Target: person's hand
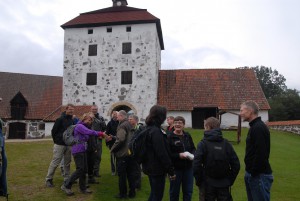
172, 178
182, 155
108, 138
101, 134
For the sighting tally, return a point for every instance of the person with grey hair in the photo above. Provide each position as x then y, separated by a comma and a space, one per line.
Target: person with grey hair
125, 163
258, 176
136, 128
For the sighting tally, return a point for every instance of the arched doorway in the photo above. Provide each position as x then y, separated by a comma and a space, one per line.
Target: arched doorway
122, 105
17, 130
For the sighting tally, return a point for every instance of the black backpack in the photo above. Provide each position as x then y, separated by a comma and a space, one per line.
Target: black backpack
216, 159
138, 144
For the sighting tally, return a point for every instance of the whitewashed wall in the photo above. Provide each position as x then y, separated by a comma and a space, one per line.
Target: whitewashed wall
48, 128
227, 119
108, 93
232, 120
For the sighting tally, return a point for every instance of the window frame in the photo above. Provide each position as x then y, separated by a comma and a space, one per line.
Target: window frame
126, 77
91, 79
127, 48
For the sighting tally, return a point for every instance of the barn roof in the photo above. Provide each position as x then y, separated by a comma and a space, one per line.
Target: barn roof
225, 89
42, 93
110, 16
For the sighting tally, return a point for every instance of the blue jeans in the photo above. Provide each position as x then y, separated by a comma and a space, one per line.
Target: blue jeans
185, 179
258, 188
157, 184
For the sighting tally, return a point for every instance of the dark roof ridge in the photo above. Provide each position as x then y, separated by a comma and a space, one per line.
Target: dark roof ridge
31, 74
114, 9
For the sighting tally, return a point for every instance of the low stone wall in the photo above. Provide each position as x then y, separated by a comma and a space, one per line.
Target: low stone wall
289, 126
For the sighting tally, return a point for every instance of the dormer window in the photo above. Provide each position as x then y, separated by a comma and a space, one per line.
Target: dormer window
18, 107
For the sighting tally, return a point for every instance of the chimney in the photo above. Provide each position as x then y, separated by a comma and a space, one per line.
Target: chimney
118, 3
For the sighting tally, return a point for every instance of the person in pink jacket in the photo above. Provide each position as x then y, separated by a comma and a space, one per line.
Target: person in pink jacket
82, 132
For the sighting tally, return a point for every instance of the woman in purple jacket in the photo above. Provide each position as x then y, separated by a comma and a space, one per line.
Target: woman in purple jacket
82, 132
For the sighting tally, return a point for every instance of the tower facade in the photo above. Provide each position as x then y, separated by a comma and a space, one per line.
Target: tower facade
112, 57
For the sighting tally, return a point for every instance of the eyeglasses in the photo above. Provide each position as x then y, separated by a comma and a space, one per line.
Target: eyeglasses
178, 122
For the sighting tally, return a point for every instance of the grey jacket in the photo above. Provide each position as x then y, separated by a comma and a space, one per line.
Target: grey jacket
124, 134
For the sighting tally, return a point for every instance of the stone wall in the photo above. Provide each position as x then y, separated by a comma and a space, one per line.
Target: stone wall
289, 126
33, 129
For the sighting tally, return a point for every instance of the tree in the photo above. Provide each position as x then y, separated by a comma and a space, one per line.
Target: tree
271, 82
285, 106
284, 102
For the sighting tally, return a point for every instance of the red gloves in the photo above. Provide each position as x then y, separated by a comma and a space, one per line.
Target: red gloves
100, 134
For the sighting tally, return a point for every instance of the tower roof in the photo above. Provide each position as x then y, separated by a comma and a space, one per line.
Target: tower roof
115, 15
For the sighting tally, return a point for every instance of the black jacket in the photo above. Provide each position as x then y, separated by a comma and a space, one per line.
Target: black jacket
158, 159
199, 161
178, 145
60, 125
258, 148
111, 129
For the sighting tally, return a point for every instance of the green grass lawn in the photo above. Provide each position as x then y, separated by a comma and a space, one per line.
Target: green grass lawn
28, 164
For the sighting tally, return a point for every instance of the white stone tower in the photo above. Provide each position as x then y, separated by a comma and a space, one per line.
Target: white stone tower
112, 57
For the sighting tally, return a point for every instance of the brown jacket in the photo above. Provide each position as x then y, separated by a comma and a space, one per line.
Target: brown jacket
124, 134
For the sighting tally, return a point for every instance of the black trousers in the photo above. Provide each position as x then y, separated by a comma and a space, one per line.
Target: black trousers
220, 194
125, 168
90, 162
80, 172
137, 171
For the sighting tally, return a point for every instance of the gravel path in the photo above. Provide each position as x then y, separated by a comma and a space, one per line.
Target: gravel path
27, 140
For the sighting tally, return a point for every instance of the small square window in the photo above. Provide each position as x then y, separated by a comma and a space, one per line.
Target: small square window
90, 31
126, 77
42, 126
109, 29
126, 48
128, 29
91, 78
92, 50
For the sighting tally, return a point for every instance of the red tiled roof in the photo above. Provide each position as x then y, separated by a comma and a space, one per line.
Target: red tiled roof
115, 16
284, 123
43, 93
78, 111
198, 88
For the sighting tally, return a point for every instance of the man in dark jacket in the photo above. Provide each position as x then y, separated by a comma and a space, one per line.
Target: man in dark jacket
98, 125
111, 130
258, 176
216, 187
60, 150
125, 162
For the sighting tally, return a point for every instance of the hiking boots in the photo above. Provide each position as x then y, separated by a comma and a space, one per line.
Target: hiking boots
68, 191
86, 191
49, 183
92, 180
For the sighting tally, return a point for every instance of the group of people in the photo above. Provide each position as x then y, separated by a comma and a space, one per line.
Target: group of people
170, 153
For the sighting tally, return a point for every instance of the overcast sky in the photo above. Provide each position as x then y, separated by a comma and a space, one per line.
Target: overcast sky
197, 33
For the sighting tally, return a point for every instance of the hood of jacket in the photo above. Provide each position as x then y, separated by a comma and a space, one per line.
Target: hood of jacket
213, 135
